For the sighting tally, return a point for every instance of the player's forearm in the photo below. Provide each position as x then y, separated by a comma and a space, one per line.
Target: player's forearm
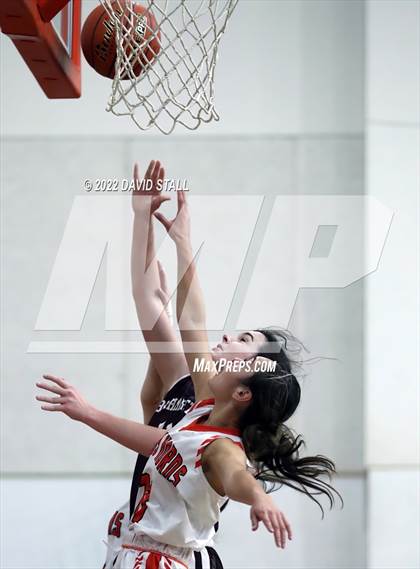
190, 305
135, 436
143, 250
145, 272
241, 486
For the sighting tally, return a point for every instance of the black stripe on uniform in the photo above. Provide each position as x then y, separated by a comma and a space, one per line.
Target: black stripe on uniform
215, 561
197, 560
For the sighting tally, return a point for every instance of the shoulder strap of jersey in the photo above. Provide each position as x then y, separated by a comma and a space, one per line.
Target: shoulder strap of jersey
213, 437
197, 410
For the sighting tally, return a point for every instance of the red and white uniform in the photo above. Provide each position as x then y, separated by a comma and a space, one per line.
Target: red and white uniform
117, 532
176, 507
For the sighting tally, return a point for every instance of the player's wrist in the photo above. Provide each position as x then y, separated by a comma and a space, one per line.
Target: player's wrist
183, 247
142, 207
91, 416
257, 492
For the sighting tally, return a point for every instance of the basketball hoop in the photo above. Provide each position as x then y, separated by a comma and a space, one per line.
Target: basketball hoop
175, 85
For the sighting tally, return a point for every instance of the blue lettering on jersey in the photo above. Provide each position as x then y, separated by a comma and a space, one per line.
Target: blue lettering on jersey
174, 404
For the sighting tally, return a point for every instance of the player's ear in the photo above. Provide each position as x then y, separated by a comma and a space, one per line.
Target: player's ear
242, 394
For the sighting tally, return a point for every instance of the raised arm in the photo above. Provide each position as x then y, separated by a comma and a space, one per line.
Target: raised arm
146, 284
135, 436
224, 465
190, 306
152, 392
153, 389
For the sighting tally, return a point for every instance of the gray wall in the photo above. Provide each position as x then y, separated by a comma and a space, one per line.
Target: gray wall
392, 294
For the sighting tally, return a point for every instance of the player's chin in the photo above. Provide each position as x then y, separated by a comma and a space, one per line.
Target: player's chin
223, 357
217, 354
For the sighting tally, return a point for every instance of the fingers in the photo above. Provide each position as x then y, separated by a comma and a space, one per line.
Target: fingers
136, 171
282, 529
267, 522
287, 526
163, 220
155, 172
279, 530
52, 388
161, 199
58, 380
276, 523
254, 521
52, 407
272, 524
149, 170
182, 200
54, 400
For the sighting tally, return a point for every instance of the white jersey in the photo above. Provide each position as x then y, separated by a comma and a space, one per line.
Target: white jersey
176, 505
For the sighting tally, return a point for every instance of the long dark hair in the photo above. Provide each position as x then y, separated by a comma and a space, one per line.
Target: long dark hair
272, 447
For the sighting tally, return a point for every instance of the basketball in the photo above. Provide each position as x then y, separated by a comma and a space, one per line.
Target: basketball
98, 40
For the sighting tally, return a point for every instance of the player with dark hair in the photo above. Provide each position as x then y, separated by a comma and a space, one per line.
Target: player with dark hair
167, 394
195, 466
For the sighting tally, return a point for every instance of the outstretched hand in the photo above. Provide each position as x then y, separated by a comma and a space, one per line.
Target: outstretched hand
68, 399
265, 510
179, 227
148, 187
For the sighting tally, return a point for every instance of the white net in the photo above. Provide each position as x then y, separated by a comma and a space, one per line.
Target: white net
166, 57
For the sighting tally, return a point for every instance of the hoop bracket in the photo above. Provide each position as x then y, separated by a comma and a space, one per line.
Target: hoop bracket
50, 8
55, 65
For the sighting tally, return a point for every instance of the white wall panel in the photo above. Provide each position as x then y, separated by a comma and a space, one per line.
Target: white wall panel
392, 292
331, 66
57, 522
317, 543
332, 165
39, 181
392, 309
65, 521
394, 526
393, 60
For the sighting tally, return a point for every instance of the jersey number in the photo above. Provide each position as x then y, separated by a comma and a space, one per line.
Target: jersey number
142, 505
114, 527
